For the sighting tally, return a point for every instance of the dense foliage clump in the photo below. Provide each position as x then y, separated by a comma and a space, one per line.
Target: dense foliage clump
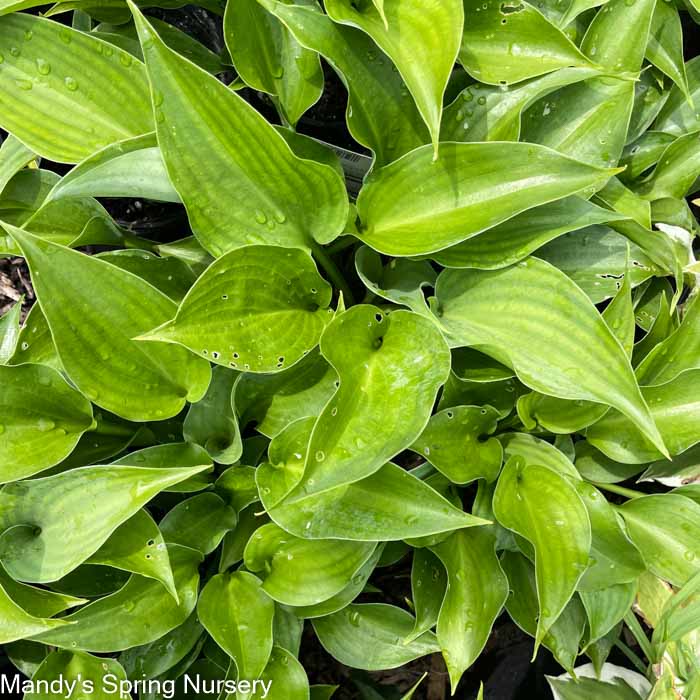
282, 362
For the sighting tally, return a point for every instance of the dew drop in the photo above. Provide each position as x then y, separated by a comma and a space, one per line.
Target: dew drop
2, 428
125, 59
71, 83
320, 456
44, 67
45, 424
260, 217
354, 618
14, 51
23, 84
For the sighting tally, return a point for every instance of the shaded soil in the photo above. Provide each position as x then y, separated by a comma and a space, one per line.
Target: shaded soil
15, 284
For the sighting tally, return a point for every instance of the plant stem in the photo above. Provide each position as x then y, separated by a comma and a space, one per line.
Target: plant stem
334, 274
636, 661
114, 429
341, 244
619, 490
633, 623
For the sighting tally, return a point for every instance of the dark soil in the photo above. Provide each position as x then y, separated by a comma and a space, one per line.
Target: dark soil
15, 284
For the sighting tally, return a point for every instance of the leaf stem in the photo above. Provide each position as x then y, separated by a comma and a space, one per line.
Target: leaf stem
334, 274
341, 244
619, 490
638, 633
633, 658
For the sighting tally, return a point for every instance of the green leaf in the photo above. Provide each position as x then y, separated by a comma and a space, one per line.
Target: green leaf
365, 636
494, 113
618, 197
177, 454
391, 504
237, 487
78, 670
676, 172
66, 94
259, 308
14, 155
377, 95
428, 587
154, 659
267, 196
169, 275
238, 614
554, 520
586, 121
565, 634
506, 42
384, 364
26, 656
274, 401
301, 572
665, 45
17, 624
476, 592
180, 41
35, 344
606, 607
680, 614
37, 601
137, 546
415, 206
583, 688
615, 560
538, 452
456, 442
42, 419
347, 595
421, 40
562, 416
684, 468
212, 421
677, 116
268, 58
51, 525
595, 466
518, 237
139, 613
200, 522
643, 153
674, 408
130, 168
401, 281
135, 381
284, 677
9, 332
666, 529
680, 351
617, 37
570, 353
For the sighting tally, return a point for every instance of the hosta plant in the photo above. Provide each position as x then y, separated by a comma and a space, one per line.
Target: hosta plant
375, 378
